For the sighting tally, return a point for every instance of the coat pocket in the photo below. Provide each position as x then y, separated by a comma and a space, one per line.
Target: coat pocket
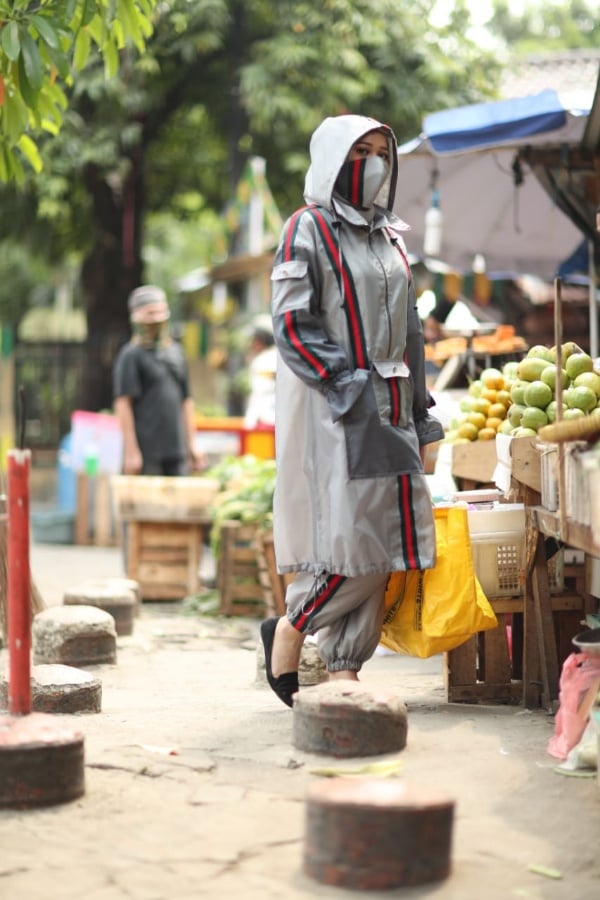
289, 289
375, 447
393, 387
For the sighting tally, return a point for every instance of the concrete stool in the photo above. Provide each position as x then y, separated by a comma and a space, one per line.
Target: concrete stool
347, 719
41, 761
373, 834
311, 670
109, 594
74, 636
60, 689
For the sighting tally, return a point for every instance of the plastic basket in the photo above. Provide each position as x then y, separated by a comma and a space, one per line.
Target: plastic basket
499, 563
498, 547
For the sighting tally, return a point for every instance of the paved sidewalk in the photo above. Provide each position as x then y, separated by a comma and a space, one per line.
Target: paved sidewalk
194, 788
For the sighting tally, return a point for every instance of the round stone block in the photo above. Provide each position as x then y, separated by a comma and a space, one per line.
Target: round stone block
74, 636
311, 670
109, 594
376, 834
41, 761
60, 689
347, 719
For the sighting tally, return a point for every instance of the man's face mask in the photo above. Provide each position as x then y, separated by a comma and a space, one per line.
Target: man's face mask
360, 180
150, 333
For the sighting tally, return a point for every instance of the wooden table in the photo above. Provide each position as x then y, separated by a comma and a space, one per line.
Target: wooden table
541, 663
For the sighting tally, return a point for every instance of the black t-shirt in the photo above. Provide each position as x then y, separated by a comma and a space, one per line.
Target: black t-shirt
156, 379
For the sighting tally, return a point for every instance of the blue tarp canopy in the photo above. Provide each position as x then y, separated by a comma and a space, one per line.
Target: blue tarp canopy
507, 122
492, 202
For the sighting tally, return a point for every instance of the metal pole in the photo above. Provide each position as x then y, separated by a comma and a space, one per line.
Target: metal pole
18, 583
593, 303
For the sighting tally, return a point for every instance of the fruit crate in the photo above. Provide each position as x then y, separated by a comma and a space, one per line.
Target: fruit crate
474, 463
238, 577
274, 585
160, 498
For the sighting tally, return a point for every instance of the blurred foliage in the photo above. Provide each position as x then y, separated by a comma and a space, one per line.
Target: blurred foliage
247, 485
201, 86
542, 26
43, 44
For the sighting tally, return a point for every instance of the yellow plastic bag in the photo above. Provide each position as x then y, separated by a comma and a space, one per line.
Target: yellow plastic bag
435, 610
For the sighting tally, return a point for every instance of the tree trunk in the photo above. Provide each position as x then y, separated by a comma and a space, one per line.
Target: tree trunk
110, 271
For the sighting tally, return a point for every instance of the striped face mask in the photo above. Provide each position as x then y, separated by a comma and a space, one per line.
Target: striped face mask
360, 180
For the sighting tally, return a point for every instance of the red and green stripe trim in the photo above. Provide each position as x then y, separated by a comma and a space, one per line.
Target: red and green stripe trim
329, 587
347, 288
395, 406
408, 525
294, 339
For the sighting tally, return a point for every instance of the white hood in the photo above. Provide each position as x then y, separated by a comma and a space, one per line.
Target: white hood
329, 148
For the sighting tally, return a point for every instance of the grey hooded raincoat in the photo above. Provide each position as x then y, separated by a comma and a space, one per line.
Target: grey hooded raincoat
351, 402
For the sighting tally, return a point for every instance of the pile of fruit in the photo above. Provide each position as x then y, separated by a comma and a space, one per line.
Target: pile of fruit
520, 398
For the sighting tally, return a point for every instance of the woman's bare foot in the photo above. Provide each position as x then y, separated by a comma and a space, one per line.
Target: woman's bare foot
287, 647
343, 675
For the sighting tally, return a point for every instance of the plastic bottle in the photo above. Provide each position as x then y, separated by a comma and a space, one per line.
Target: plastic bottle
91, 460
434, 219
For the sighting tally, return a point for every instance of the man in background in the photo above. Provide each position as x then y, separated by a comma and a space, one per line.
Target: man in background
151, 389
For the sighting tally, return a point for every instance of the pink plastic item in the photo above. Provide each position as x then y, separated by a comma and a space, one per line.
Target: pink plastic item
578, 688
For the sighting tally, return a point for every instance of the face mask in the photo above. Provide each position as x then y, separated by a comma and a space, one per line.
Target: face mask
150, 334
360, 180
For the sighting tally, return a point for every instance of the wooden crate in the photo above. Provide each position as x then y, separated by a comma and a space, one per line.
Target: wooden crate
473, 464
94, 519
238, 580
485, 669
161, 498
164, 557
526, 462
273, 584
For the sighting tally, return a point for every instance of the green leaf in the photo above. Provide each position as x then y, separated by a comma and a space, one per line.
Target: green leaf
16, 169
70, 9
11, 43
61, 62
545, 870
82, 49
32, 61
58, 95
45, 31
111, 59
3, 166
129, 19
88, 13
31, 153
27, 92
98, 30
15, 118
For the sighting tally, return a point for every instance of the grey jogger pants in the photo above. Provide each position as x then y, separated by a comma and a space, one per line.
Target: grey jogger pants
347, 613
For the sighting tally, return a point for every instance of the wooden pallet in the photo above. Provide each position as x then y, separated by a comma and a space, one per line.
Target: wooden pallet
238, 580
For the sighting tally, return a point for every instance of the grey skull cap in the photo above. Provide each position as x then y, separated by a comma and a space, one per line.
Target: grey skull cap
148, 303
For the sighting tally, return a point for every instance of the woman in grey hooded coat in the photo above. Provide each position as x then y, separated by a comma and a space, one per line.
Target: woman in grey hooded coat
351, 501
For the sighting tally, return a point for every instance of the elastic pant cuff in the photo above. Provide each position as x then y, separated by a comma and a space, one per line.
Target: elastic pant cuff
344, 665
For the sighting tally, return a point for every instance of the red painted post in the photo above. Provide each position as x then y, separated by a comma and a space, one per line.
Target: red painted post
18, 583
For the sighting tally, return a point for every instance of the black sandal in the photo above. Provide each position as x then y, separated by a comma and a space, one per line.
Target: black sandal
286, 685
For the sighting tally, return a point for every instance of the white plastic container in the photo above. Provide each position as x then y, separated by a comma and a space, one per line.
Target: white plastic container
498, 547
